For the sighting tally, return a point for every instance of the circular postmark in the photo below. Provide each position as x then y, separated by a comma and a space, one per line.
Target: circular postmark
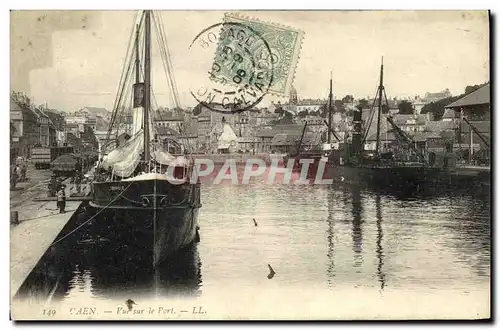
240, 67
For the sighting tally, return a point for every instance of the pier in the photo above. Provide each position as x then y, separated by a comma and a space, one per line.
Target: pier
38, 223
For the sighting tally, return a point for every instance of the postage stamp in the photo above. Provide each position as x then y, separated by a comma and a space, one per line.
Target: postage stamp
284, 44
242, 72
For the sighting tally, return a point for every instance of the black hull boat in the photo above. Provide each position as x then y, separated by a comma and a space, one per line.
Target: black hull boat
136, 199
312, 158
154, 215
466, 177
402, 169
384, 177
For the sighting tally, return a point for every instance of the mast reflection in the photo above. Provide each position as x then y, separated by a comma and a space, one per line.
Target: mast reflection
380, 235
117, 272
357, 232
330, 237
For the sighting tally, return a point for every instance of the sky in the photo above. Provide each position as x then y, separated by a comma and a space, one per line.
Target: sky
72, 59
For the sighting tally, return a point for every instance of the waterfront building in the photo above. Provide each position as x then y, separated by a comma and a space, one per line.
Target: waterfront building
25, 125
171, 119
433, 97
476, 108
264, 137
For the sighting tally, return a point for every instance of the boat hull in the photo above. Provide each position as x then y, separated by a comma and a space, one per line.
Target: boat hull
467, 177
384, 177
312, 158
155, 217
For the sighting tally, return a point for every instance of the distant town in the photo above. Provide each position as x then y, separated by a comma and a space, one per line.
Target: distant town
274, 129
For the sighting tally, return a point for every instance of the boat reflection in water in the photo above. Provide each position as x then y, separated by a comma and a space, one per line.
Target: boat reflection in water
379, 249
125, 275
331, 237
357, 230
354, 218
89, 269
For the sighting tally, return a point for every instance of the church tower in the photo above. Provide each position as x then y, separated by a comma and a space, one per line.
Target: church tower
293, 96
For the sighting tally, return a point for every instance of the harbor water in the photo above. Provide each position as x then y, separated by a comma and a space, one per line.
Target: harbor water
338, 253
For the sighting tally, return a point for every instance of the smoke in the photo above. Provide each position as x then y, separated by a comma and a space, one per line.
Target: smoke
31, 40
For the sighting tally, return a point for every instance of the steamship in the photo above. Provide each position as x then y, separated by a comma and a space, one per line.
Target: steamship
142, 192
351, 164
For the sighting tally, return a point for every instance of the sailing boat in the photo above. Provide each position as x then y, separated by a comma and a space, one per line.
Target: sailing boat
143, 194
377, 169
327, 148
313, 153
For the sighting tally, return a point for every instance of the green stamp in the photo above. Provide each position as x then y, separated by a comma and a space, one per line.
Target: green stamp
257, 54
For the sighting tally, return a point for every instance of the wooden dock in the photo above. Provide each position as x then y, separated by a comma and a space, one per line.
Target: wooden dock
39, 224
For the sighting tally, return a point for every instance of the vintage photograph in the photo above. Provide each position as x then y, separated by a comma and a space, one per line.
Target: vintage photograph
250, 165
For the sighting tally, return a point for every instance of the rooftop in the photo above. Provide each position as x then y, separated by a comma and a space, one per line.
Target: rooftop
164, 131
278, 129
96, 111
478, 97
290, 139
167, 116
439, 126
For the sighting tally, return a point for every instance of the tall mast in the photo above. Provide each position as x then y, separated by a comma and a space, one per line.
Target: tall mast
330, 110
137, 67
147, 83
380, 92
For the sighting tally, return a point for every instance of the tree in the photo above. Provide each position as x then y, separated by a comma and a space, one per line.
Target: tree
437, 108
339, 106
323, 110
405, 107
385, 108
286, 119
363, 103
348, 99
470, 89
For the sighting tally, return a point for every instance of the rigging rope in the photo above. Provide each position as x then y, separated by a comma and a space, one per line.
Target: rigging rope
169, 63
168, 60
125, 88
165, 68
372, 113
121, 82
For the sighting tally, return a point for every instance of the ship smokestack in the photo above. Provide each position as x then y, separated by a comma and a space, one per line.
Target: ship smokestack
356, 134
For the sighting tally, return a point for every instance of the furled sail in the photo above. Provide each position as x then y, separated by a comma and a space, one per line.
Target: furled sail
138, 118
138, 122
124, 160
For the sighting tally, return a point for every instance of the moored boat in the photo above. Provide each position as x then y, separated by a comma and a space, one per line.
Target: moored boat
143, 194
351, 164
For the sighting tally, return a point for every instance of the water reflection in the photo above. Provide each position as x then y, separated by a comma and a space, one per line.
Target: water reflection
100, 270
331, 236
472, 227
380, 235
414, 240
178, 276
357, 232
